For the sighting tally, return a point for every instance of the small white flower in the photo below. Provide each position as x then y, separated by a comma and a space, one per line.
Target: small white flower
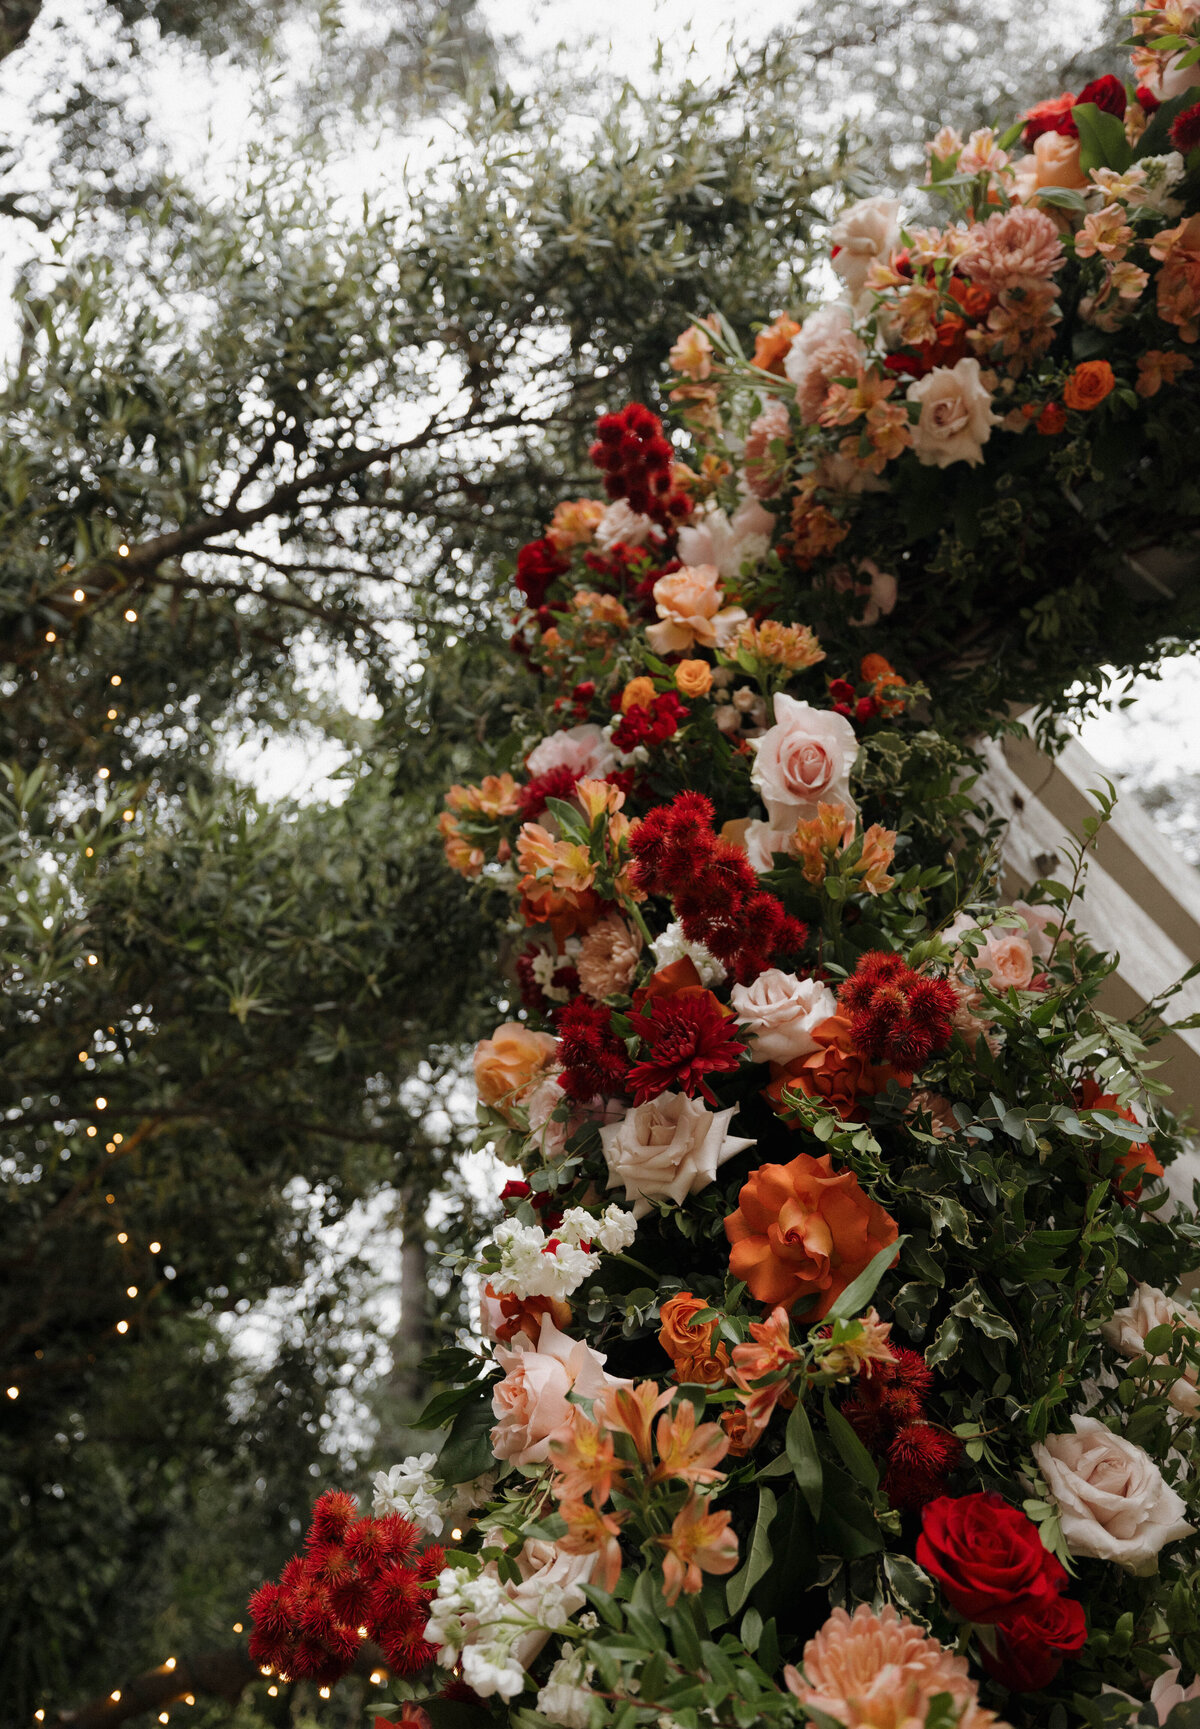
614, 1229
491, 1669
410, 1489
672, 945
529, 1268
566, 1698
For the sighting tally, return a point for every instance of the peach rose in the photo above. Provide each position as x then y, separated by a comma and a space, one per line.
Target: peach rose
802, 761
667, 1149
1114, 1503
608, 957
690, 610
956, 415
692, 1348
781, 1011
530, 1403
507, 1062
862, 233
693, 678
1054, 162
1089, 384
1146, 1309
804, 1230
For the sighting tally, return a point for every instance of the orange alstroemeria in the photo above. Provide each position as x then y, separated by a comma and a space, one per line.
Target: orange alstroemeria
699, 1542
565, 864
585, 1461
599, 797
686, 1450
590, 1532
496, 795
632, 1411
771, 1348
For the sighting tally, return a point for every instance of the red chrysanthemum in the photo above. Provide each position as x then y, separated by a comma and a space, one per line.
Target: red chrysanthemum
594, 1060
897, 1015
1185, 129
538, 563
717, 897
636, 459
685, 1038
356, 1573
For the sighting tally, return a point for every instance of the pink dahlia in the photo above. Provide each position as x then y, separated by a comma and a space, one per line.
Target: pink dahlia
825, 349
1019, 248
882, 1672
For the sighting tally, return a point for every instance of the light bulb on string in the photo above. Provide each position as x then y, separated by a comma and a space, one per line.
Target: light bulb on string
156, 1249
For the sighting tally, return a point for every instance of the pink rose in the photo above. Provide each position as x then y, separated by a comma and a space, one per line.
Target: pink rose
506, 1063
825, 348
781, 1011
1054, 161
1147, 1308
727, 542
1043, 928
802, 761
1008, 957
530, 1403
689, 606
585, 750
956, 415
622, 525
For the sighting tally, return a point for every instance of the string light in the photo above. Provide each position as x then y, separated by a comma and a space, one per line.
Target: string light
93, 960
115, 1695
50, 636
13, 1392
170, 1663
131, 616
117, 1139
112, 714
126, 816
110, 1146
131, 1291
91, 1131
80, 595
164, 1716
267, 1671
189, 1698
122, 1236
83, 1056
237, 1625
378, 1677
111, 1199
456, 1533
122, 1326
102, 774
101, 1103
115, 679
272, 1692
88, 852
156, 1249
39, 1716
122, 551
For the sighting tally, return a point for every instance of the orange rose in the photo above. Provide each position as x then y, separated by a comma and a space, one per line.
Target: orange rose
509, 1060
1140, 1158
771, 345
638, 693
566, 911
836, 1073
1089, 384
691, 1348
693, 677
804, 1230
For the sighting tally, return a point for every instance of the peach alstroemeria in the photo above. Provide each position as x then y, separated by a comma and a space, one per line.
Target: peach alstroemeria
496, 795
770, 1349
1105, 234
565, 864
699, 1542
591, 1532
585, 1461
686, 1450
793, 646
599, 608
845, 403
692, 354
632, 1411
817, 840
1158, 367
461, 854
598, 797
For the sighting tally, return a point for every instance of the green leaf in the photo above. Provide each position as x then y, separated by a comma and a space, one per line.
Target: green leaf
801, 1447
854, 1455
858, 1292
1102, 140
468, 1449
758, 1560
911, 1585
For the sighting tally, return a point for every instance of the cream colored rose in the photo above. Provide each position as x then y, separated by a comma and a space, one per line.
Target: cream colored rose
866, 231
667, 1149
530, 1403
781, 1011
690, 610
1146, 1309
1114, 1503
803, 760
761, 842
956, 415
727, 542
509, 1060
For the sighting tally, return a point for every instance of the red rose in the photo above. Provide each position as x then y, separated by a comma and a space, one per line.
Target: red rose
987, 1557
1031, 1647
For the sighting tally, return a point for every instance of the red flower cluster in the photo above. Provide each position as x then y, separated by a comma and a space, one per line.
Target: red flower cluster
1185, 129
1054, 115
685, 1037
713, 886
555, 783
538, 563
593, 1058
896, 1015
357, 1573
652, 725
887, 1413
989, 1561
564, 978
636, 459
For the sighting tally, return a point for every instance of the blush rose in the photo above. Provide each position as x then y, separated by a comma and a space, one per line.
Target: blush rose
781, 1011
530, 1403
802, 761
956, 415
667, 1149
1114, 1503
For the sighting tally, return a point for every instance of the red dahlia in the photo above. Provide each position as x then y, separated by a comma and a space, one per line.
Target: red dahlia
685, 1038
1185, 129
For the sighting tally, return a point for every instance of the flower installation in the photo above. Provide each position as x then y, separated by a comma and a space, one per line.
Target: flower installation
830, 1362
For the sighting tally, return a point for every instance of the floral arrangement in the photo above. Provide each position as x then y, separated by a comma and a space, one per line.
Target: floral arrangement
830, 1365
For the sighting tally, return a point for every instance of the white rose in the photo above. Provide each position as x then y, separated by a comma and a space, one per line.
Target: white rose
585, 750
1126, 1333
667, 1149
762, 842
802, 761
713, 538
1114, 1503
956, 415
781, 1011
550, 1579
864, 232
628, 527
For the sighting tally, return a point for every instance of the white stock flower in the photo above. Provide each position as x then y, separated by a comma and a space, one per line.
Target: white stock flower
495, 1630
1114, 1503
667, 1149
566, 1697
613, 1229
672, 946
411, 1489
530, 1268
